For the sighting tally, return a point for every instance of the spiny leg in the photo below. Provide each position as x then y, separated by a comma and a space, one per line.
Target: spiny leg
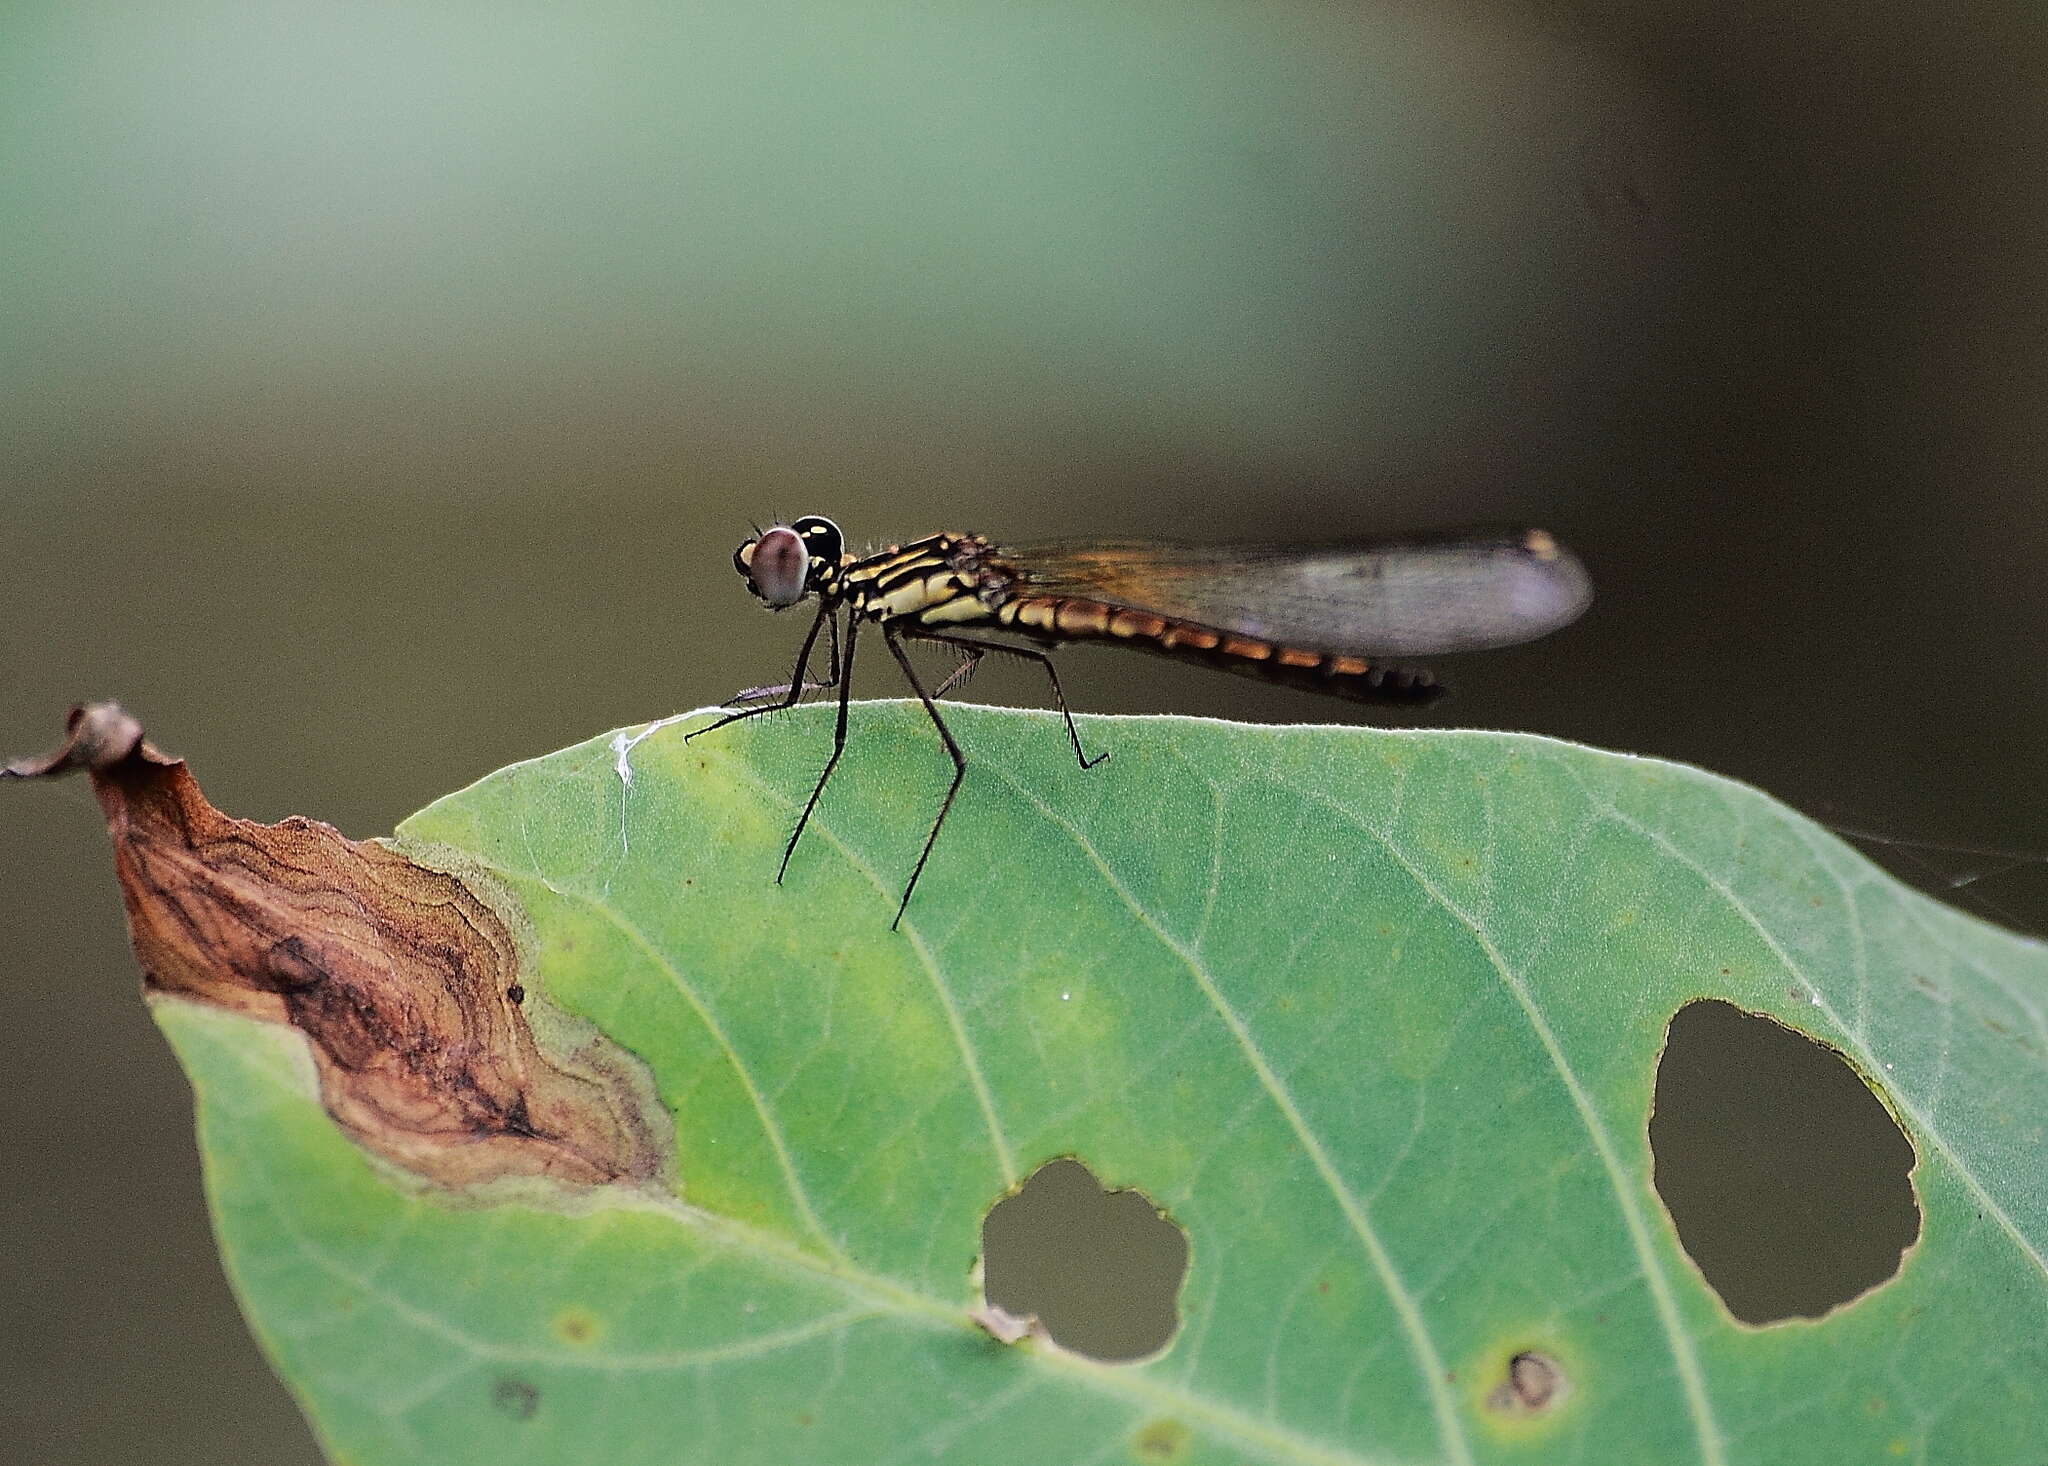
958, 676
803, 685
795, 687
952, 752
838, 746
976, 648
779, 691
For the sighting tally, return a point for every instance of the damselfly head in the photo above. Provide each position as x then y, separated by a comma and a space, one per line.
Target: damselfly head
782, 564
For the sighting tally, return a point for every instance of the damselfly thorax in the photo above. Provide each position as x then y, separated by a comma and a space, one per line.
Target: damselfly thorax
1323, 618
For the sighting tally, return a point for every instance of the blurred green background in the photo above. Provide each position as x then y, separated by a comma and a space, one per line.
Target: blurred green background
383, 388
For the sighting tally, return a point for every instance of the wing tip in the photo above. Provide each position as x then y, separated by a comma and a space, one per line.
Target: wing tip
1560, 590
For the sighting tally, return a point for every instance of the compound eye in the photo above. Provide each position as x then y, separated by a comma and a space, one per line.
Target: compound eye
776, 565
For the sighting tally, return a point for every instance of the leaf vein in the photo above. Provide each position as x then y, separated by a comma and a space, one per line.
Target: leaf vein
1427, 1361
1684, 1360
1854, 1040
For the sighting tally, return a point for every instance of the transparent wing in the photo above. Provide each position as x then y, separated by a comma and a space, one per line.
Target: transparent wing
1400, 599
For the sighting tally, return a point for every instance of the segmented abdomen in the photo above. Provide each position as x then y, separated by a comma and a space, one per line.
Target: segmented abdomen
1071, 618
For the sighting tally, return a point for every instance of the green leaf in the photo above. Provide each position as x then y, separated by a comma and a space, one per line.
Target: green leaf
1373, 1017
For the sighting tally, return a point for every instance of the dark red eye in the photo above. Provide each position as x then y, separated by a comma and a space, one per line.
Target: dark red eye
779, 568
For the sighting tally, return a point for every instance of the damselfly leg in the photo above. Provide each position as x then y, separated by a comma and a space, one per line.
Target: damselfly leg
800, 684
957, 678
839, 676
977, 649
792, 691
952, 751
838, 747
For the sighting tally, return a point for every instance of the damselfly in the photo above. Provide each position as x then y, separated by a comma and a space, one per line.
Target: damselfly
1320, 618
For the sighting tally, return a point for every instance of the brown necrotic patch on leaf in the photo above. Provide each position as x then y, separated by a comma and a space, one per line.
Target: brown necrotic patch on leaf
401, 977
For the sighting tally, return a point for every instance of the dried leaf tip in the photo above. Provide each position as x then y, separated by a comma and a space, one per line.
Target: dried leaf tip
97, 736
399, 975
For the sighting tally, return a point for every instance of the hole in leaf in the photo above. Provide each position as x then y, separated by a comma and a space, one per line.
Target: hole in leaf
1788, 1180
1099, 1270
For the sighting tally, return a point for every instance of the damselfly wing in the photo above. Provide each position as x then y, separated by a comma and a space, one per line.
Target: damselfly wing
1315, 610
1319, 617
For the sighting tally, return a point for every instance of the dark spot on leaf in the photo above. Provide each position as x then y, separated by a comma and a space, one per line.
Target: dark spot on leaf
576, 1326
1161, 1440
515, 993
1532, 1383
515, 1397
1787, 1179
1098, 1271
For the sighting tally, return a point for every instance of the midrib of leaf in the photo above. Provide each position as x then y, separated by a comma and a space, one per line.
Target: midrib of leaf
610, 1362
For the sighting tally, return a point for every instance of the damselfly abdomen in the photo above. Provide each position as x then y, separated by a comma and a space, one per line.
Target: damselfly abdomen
1317, 617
